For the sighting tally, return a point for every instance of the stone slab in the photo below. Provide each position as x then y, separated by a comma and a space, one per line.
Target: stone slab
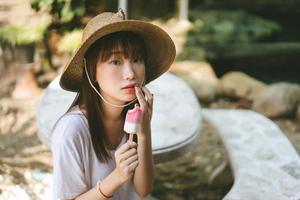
176, 119
265, 164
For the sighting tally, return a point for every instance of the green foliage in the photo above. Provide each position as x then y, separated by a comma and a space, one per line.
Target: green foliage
70, 41
62, 10
215, 29
151, 9
263, 6
22, 34
228, 27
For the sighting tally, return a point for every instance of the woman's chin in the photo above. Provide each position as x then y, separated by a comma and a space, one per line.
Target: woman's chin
130, 98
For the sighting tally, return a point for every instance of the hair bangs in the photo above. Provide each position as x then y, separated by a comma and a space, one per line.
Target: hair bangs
126, 44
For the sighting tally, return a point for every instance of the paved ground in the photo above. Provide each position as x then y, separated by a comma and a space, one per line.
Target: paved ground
25, 164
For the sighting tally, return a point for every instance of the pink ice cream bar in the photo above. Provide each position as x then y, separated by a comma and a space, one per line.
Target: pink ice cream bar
133, 120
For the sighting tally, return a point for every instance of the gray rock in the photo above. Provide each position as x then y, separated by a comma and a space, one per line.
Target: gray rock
292, 169
279, 99
264, 167
240, 85
298, 113
200, 76
176, 119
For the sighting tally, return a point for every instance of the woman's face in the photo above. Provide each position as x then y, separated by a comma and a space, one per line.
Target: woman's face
117, 77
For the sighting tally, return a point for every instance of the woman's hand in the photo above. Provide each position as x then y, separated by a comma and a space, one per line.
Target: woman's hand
126, 161
146, 106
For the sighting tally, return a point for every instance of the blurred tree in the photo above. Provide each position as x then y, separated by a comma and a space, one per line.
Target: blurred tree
70, 14
213, 29
151, 9
70, 41
67, 16
286, 13
254, 5
219, 27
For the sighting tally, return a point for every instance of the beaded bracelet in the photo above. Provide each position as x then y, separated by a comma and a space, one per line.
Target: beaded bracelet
98, 188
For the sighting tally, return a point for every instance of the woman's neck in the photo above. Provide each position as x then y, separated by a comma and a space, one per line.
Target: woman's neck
108, 113
111, 113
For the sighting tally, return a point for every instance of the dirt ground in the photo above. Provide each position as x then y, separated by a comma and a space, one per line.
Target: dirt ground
188, 177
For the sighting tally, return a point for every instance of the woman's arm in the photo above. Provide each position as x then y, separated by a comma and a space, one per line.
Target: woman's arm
126, 162
144, 173
108, 186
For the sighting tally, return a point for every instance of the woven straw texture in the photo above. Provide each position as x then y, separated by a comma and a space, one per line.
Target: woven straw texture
160, 48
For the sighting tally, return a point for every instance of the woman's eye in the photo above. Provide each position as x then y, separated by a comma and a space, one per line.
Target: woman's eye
136, 60
116, 62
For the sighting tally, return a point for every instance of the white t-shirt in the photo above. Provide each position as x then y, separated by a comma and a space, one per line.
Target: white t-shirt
76, 168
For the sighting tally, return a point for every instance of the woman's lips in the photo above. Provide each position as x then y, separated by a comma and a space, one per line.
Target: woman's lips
130, 85
129, 89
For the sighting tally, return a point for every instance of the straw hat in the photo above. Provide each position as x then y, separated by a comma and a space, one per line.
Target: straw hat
160, 48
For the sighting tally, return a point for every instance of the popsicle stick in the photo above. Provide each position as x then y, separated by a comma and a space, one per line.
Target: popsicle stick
130, 137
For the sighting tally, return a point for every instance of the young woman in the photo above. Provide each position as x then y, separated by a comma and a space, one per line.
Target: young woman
92, 156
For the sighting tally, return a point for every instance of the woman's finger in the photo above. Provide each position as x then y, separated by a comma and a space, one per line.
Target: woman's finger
128, 153
130, 160
140, 97
133, 165
149, 96
125, 147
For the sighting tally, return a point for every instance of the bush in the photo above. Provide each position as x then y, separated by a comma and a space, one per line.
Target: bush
70, 41
217, 29
62, 10
22, 34
228, 27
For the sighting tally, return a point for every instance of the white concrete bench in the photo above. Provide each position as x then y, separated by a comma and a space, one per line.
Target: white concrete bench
265, 165
176, 119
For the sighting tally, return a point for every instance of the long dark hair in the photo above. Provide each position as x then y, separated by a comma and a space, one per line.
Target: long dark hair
133, 47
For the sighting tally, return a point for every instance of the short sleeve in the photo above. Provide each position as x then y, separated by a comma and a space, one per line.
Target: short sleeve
68, 172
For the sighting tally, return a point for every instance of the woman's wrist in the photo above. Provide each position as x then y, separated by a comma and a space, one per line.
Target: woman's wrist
102, 193
144, 135
110, 184
117, 179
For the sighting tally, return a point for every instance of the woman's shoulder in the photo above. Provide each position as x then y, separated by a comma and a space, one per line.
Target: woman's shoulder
72, 124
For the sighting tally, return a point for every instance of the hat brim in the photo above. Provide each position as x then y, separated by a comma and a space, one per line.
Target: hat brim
160, 50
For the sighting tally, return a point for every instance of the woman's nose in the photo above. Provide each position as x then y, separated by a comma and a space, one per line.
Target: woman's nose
128, 71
